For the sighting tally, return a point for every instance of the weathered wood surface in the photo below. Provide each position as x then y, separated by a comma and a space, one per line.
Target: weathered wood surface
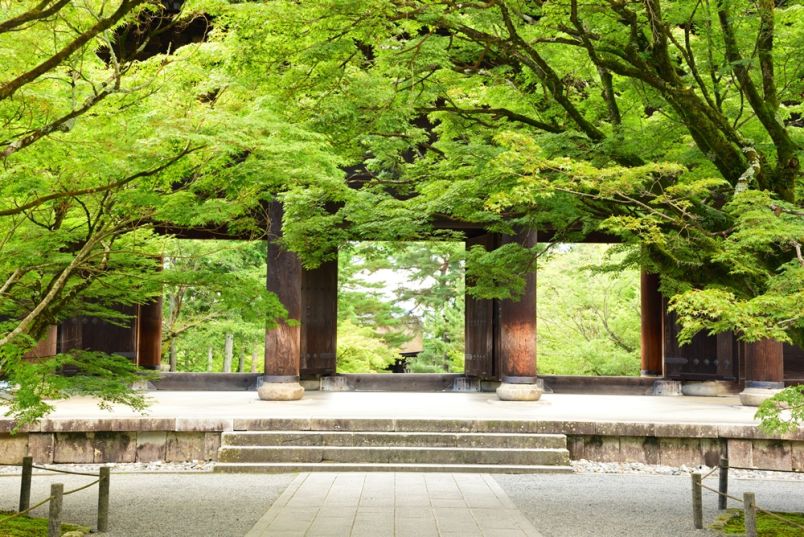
651, 324
518, 324
764, 361
319, 327
479, 322
283, 342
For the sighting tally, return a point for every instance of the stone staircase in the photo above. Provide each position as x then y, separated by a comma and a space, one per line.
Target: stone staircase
390, 446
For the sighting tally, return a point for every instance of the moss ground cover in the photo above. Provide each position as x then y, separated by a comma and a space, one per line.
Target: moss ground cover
767, 525
24, 526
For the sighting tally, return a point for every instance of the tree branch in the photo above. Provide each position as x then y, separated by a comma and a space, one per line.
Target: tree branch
41, 11
497, 112
8, 88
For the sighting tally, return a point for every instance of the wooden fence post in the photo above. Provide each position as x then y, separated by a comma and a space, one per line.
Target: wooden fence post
723, 483
25, 484
750, 514
697, 503
103, 499
54, 514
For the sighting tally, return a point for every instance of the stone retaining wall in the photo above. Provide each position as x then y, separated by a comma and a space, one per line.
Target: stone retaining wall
62, 440
751, 453
109, 446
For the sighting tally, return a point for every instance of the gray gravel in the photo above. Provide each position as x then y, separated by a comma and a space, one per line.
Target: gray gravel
162, 504
631, 505
602, 500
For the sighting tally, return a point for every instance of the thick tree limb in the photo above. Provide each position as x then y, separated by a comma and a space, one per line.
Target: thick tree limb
498, 112
41, 11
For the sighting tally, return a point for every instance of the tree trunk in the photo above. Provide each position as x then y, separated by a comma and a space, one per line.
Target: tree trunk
228, 350
172, 354
254, 355
241, 363
209, 359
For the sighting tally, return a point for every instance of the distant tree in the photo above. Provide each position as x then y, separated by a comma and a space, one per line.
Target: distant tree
214, 288
588, 318
427, 294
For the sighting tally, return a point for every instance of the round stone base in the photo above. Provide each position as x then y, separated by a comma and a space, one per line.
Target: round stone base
755, 396
280, 391
518, 392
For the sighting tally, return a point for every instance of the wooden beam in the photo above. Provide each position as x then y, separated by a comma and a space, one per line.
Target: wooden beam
479, 324
149, 345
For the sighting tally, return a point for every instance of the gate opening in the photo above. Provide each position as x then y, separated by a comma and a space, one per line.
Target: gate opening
588, 319
401, 307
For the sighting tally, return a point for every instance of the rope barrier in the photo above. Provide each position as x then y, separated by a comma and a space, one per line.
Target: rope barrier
712, 471
765, 470
82, 488
729, 496
63, 471
43, 502
774, 515
40, 504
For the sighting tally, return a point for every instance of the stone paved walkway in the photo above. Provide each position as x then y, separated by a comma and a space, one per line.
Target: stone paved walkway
393, 505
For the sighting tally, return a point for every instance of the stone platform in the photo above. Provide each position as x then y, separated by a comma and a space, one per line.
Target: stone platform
610, 428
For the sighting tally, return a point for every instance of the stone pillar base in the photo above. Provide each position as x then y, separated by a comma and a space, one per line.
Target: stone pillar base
280, 391
665, 388
707, 388
519, 392
757, 392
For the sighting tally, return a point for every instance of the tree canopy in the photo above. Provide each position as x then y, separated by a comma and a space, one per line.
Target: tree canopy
675, 126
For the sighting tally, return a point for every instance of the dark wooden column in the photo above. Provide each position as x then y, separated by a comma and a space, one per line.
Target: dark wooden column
149, 345
518, 326
283, 342
479, 324
47, 346
319, 327
651, 320
764, 364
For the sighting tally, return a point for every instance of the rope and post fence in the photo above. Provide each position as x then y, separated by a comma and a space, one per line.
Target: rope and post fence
748, 500
57, 495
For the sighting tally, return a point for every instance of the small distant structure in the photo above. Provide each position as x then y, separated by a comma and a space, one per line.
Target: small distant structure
410, 349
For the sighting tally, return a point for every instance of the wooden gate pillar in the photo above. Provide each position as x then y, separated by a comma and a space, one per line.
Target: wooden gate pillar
480, 326
764, 370
319, 327
518, 336
282, 342
651, 321
149, 336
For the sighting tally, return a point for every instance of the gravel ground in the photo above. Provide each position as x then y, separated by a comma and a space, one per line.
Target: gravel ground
632, 505
162, 504
599, 500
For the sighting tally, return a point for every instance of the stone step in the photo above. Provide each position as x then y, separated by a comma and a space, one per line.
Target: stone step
291, 467
422, 425
392, 454
399, 439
